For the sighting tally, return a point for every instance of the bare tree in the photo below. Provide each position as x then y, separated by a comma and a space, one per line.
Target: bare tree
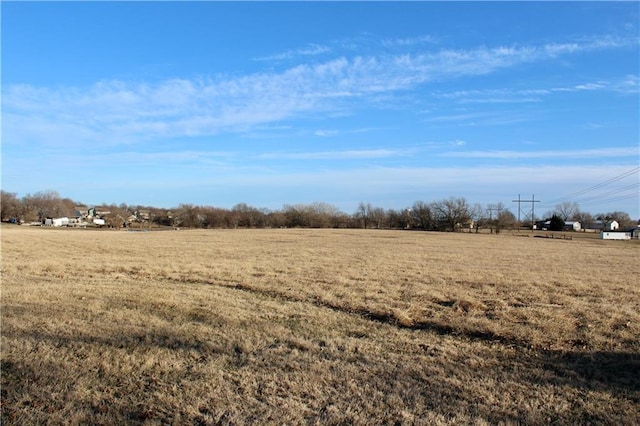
505, 220
363, 214
478, 215
586, 219
10, 206
276, 219
118, 215
189, 216
422, 215
566, 210
295, 216
378, 217
248, 216
452, 213
623, 218
321, 215
43, 204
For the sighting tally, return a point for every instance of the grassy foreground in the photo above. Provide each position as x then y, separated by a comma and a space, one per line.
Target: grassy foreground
317, 327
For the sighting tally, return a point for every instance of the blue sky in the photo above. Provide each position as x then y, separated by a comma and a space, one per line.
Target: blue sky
282, 103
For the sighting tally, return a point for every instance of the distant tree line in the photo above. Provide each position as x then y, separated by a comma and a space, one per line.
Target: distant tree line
449, 214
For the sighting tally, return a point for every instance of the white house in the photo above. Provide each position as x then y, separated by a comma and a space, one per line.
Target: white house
611, 225
61, 221
608, 225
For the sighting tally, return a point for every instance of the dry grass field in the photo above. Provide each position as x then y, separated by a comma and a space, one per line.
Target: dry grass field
295, 326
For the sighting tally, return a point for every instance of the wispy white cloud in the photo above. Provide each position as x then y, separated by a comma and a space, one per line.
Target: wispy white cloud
325, 133
336, 155
117, 112
629, 84
565, 154
310, 50
483, 118
410, 41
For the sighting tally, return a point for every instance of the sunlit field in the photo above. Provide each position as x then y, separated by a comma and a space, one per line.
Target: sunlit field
293, 326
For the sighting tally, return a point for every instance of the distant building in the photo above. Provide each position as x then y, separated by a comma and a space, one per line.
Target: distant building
61, 221
545, 225
635, 232
605, 225
572, 226
616, 235
80, 212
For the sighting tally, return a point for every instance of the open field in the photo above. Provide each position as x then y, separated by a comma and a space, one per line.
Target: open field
317, 327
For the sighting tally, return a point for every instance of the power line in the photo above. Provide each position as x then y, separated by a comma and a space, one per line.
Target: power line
618, 198
598, 186
607, 194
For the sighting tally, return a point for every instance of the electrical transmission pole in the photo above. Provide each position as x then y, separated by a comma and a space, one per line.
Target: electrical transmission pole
531, 212
491, 208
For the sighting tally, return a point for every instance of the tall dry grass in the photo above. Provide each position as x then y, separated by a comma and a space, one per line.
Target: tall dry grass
317, 326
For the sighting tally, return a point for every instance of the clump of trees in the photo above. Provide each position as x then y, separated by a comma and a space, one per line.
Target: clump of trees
449, 214
35, 207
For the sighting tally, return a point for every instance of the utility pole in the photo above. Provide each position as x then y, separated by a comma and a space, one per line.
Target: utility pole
530, 212
491, 208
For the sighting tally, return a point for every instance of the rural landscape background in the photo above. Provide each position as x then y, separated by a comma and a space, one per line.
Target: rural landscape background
449, 214
223, 213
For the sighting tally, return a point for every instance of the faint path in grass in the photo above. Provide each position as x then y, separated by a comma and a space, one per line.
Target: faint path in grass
617, 372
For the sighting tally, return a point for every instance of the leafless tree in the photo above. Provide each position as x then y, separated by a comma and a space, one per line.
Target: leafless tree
450, 214
505, 220
363, 214
566, 210
45, 204
586, 219
478, 215
399, 219
189, 216
421, 215
118, 215
378, 217
623, 218
10, 206
248, 216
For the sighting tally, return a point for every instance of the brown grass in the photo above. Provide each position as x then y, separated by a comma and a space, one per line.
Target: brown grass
317, 326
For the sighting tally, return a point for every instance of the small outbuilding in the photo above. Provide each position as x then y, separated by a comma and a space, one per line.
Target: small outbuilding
61, 221
635, 233
615, 235
572, 226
